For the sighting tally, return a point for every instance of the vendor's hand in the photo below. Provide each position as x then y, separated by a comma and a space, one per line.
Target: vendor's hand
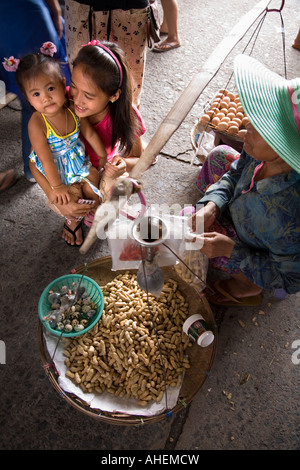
203, 218
115, 168
215, 244
60, 195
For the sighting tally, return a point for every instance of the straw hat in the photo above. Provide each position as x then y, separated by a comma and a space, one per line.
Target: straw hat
272, 104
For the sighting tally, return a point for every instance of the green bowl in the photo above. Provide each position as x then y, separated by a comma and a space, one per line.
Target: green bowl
91, 288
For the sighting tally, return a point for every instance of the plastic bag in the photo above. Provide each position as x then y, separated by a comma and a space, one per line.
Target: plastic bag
126, 253
205, 143
193, 265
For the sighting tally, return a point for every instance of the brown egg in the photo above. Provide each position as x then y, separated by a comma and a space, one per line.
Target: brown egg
237, 120
230, 114
220, 115
232, 104
232, 110
225, 119
213, 107
245, 121
215, 121
205, 119
226, 99
232, 130
222, 126
216, 101
231, 95
240, 115
240, 109
210, 113
223, 104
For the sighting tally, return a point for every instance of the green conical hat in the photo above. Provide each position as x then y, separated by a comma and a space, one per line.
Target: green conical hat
272, 105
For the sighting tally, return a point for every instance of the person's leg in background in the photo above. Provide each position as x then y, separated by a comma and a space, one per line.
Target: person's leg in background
169, 26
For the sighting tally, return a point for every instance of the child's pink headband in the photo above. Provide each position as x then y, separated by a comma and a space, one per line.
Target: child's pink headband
95, 42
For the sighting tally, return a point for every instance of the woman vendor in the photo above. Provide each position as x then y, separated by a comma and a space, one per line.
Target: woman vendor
252, 213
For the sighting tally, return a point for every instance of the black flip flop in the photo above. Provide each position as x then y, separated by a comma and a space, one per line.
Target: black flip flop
73, 232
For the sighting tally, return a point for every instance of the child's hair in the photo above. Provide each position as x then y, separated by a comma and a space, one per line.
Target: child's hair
106, 74
33, 65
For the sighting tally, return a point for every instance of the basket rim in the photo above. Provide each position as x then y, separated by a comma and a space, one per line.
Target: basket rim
53, 283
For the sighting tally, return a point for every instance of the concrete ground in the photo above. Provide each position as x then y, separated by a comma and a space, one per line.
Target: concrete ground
250, 400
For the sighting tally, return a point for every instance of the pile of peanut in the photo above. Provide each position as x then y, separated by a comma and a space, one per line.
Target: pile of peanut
123, 354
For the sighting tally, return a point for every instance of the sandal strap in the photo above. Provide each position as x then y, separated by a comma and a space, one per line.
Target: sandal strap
73, 232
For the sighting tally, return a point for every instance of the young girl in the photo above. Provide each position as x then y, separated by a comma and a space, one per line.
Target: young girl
101, 91
53, 130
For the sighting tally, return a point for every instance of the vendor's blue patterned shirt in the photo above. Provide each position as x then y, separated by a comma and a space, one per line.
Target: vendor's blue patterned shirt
267, 222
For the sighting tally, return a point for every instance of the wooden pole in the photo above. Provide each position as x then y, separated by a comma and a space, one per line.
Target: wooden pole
190, 95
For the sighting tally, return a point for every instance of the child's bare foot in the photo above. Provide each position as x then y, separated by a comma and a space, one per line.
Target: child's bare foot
72, 233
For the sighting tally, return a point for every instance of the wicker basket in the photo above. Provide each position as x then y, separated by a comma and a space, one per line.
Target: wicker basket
201, 359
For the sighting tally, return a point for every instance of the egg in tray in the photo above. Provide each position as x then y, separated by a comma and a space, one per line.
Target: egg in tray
225, 114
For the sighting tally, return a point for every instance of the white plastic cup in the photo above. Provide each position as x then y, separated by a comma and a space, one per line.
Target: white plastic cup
196, 328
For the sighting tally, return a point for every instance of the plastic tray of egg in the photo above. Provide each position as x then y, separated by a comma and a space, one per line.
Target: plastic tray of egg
225, 114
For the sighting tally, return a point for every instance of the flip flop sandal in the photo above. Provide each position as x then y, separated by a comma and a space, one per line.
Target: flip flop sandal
73, 232
253, 300
86, 201
296, 46
5, 183
164, 47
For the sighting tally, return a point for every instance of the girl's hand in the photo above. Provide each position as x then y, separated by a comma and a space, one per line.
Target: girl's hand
60, 195
73, 209
115, 168
102, 163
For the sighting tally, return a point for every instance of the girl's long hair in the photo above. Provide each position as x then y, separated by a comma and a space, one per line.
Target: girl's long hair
105, 73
